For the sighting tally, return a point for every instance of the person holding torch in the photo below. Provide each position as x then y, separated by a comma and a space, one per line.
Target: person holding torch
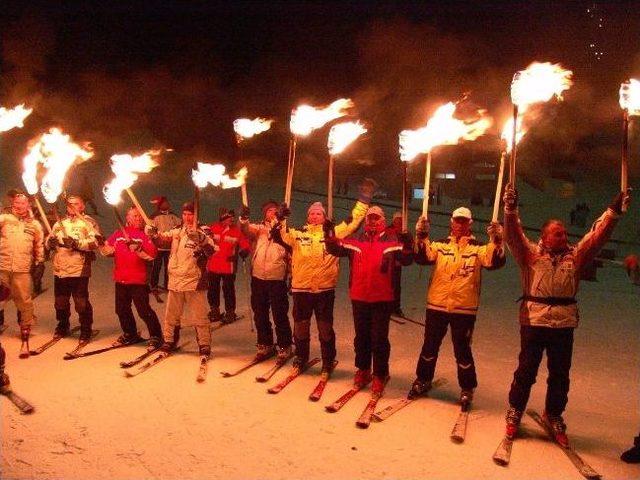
550, 272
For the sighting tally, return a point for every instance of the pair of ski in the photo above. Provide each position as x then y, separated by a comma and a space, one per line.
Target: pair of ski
364, 420
155, 361
24, 406
502, 455
224, 324
266, 376
78, 353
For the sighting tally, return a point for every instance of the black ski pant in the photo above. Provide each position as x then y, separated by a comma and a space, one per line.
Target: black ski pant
78, 288
228, 281
139, 295
558, 342
272, 294
162, 258
461, 336
396, 283
37, 272
306, 304
371, 343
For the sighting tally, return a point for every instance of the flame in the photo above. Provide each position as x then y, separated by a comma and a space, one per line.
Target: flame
305, 119
57, 153
13, 118
343, 135
507, 132
441, 129
630, 96
215, 175
246, 128
126, 169
540, 82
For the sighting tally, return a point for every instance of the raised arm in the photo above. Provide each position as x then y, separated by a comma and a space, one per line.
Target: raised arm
513, 232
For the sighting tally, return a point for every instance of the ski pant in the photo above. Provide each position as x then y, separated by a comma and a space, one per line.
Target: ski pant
37, 272
558, 342
304, 306
3, 355
192, 306
396, 283
162, 258
228, 290
139, 295
371, 343
21, 287
78, 288
461, 336
272, 294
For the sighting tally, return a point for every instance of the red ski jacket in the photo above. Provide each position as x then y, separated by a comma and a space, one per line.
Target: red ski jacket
130, 267
231, 243
372, 257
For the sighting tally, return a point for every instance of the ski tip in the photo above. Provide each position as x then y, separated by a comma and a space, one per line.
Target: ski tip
226, 374
313, 398
24, 355
27, 411
127, 374
330, 409
261, 379
362, 425
456, 439
500, 461
272, 391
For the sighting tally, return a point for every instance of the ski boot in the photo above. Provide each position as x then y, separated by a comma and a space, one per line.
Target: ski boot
62, 330
264, 351
419, 388
24, 336
466, 396
284, 353
127, 339
633, 454
377, 386
361, 378
512, 418
559, 428
229, 317
154, 343
215, 315
299, 363
204, 351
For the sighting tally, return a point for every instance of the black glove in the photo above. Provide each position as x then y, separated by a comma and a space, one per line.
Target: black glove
52, 242
328, 228
244, 253
621, 199
283, 211
135, 244
206, 230
510, 197
495, 232
196, 237
422, 228
366, 189
244, 213
407, 240
70, 243
99, 240
151, 230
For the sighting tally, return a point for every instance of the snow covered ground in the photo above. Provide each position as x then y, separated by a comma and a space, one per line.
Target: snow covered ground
91, 422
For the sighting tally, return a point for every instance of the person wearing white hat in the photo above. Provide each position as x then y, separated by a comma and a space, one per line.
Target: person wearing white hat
453, 295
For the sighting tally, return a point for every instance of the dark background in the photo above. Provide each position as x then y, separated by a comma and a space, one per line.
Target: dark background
128, 76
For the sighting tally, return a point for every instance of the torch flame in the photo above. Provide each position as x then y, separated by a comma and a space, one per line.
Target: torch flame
215, 175
305, 119
126, 169
13, 118
246, 128
343, 135
441, 129
540, 82
57, 153
507, 133
630, 96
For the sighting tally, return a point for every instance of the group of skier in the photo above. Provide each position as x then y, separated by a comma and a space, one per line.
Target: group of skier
198, 258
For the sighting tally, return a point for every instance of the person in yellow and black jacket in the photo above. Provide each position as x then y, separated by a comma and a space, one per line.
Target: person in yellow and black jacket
315, 274
453, 295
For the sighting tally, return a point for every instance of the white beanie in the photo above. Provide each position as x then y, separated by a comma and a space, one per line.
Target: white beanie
316, 206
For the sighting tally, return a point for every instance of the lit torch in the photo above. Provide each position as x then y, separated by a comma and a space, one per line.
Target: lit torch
630, 104
246, 128
304, 120
214, 174
13, 118
340, 137
540, 82
441, 129
126, 169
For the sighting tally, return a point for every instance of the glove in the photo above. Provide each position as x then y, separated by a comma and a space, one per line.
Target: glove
99, 240
70, 243
620, 202
135, 244
407, 240
510, 198
331, 240
151, 230
422, 228
244, 253
366, 189
52, 242
196, 237
328, 228
244, 213
206, 230
495, 232
283, 211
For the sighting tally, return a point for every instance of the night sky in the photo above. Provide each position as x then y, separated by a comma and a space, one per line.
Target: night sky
132, 75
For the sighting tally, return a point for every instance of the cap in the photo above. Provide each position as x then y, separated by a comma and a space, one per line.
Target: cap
188, 207
269, 204
462, 212
316, 207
